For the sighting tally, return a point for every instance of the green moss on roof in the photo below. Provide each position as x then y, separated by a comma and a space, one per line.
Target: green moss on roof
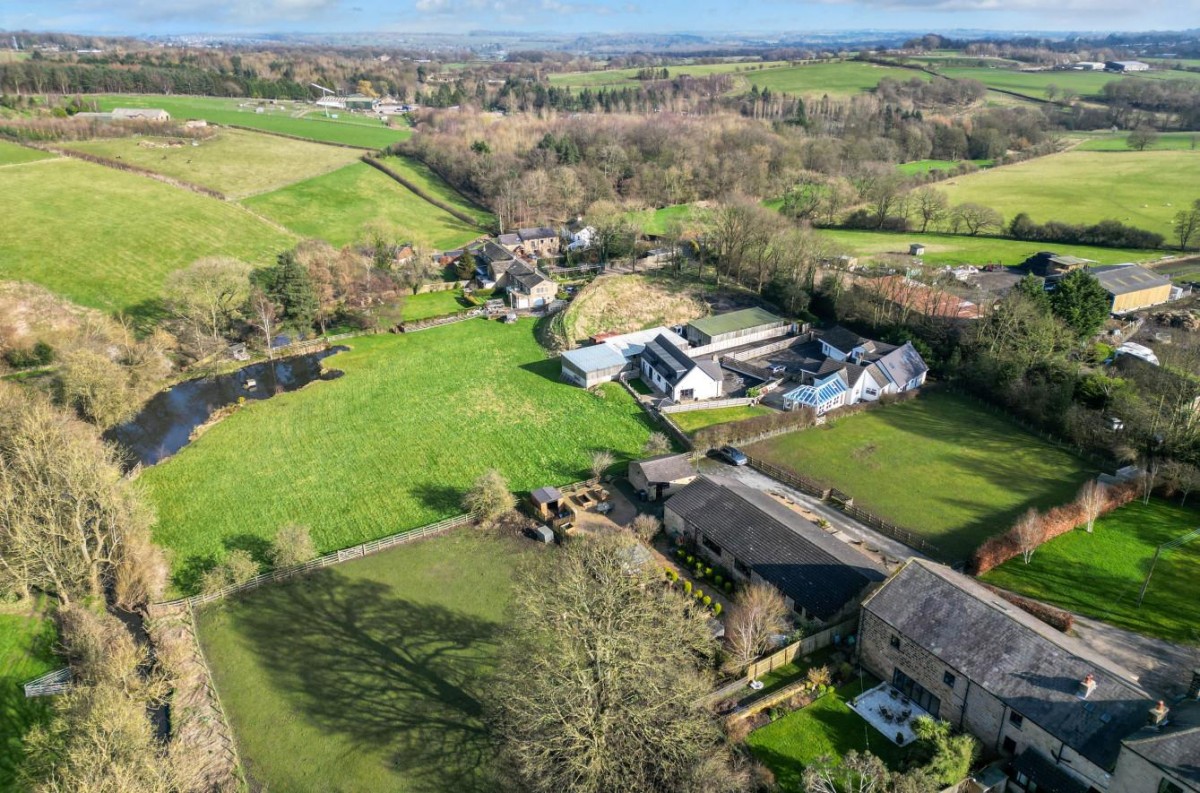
734, 321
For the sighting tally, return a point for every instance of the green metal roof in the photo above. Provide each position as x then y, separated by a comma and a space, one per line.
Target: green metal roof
734, 321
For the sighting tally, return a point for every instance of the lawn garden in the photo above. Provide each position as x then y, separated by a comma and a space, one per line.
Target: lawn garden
827, 727
1100, 574
1143, 189
940, 465
106, 238
338, 206
392, 445
27, 640
432, 304
370, 675
234, 162
692, 420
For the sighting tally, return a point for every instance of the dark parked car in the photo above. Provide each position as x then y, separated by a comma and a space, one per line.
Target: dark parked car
730, 455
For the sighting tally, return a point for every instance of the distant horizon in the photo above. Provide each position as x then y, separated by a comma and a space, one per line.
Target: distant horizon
584, 18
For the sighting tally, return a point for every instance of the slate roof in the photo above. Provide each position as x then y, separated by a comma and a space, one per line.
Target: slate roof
850, 372
842, 339
733, 321
509, 240
667, 359
902, 364
1175, 746
539, 233
1019, 659
1049, 776
665, 468
818, 572
1126, 278
525, 277
546, 495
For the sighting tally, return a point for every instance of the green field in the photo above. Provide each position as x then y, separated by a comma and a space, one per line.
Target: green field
1174, 141
827, 727
939, 465
107, 239
283, 117
432, 304
337, 206
835, 79
658, 221
371, 675
692, 420
1100, 574
955, 249
392, 445
1087, 85
234, 162
27, 643
433, 185
1143, 189
12, 154
925, 166
626, 77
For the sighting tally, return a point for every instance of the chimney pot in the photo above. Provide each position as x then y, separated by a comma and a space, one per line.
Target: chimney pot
1158, 714
1087, 686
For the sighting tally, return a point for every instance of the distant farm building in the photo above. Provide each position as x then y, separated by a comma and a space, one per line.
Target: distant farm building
611, 357
1046, 263
735, 327
140, 114
1127, 66
1131, 287
1088, 66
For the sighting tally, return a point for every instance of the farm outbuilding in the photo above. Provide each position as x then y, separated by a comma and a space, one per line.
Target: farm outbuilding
610, 357
1132, 287
140, 114
1127, 66
735, 327
659, 477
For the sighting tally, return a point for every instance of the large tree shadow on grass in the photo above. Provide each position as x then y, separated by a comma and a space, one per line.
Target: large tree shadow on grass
381, 671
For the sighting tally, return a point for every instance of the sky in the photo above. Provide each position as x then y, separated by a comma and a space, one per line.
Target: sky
136, 17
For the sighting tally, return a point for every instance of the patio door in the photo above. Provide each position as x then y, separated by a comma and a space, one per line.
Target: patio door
917, 693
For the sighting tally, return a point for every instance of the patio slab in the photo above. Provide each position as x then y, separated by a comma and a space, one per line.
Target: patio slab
886, 710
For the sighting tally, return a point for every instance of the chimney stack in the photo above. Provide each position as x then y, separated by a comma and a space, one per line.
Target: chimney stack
1158, 714
1194, 688
1087, 686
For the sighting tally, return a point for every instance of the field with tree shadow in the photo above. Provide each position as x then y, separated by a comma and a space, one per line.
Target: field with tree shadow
371, 675
940, 465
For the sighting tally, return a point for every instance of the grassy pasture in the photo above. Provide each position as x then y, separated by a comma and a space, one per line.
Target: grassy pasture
419, 174
692, 420
27, 640
939, 465
955, 249
106, 239
284, 117
836, 79
392, 445
624, 77
1100, 574
1171, 141
925, 166
1143, 189
337, 206
658, 221
235, 162
12, 154
373, 672
1088, 85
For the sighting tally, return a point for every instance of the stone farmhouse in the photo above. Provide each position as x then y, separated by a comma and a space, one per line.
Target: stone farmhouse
1070, 720
532, 242
850, 369
527, 288
759, 539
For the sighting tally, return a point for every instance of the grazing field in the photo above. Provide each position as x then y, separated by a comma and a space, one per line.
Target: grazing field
433, 185
337, 206
371, 675
1100, 574
826, 727
625, 77
288, 118
1172, 141
925, 166
1144, 189
392, 445
835, 79
107, 239
1086, 85
27, 640
939, 465
625, 303
955, 249
692, 420
660, 221
12, 154
234, 162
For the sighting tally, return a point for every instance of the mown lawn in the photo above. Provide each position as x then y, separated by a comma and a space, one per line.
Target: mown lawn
12, 154
235, 162
392, 445
338, 206
289, 118
107, 239
835, 79
1100, 574
432, 304
955, 249
693, 420
827, 727
1143, 189
371, 675
27, 640
940, 465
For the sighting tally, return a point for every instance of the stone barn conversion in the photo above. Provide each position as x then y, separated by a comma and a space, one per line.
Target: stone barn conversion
759, 539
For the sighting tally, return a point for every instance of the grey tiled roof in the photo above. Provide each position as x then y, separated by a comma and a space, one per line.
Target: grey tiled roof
525, 277
903, 364
665, 468
1048, 775
667, 359
1126, 278
818, 572
1175, 746
841, 338
540, 233
1019, 659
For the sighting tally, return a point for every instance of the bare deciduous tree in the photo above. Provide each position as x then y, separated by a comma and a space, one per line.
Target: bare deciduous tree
601, 461
1027, 532
644, 527
759, 612
1091, 500
489, 498
293, 545
208, 293
657, 443
264, 316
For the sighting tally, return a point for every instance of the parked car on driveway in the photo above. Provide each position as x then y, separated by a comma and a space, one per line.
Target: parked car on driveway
776, 368
731, 455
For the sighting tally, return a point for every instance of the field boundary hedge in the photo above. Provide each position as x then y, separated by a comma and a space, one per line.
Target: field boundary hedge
463, 216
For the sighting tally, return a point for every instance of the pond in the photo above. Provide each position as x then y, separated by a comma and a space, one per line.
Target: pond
165, 424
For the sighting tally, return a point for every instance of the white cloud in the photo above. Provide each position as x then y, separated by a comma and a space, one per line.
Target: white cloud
220, 12
1029, 7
